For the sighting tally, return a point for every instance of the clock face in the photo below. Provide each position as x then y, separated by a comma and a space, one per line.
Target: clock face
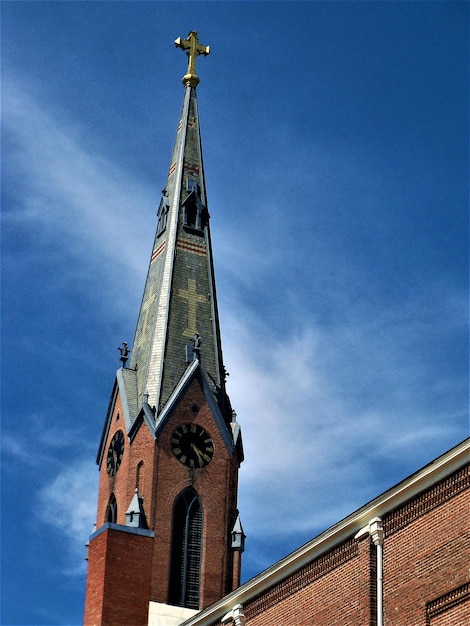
115, 452
192, 445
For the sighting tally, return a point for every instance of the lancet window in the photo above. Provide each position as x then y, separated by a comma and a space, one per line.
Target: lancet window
195, 214
111, 510
186, 551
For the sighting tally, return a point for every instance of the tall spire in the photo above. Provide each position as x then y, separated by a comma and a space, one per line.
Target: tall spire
178, 319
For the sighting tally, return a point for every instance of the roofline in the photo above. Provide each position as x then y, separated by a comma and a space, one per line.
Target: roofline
123, 393
118, 387
107, 421
182, 383
418, 482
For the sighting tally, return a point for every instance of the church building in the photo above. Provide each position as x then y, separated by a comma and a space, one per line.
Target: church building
168, 542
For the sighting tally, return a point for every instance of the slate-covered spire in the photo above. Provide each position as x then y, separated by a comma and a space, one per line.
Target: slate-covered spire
178, 319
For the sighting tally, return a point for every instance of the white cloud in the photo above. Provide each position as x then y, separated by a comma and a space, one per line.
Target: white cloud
330, 414
68, 503
16, 448
68, 500
50, 437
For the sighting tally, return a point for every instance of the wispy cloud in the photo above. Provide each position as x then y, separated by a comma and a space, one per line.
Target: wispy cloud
50, 437
68, 503
66, 489
71, 194
337, 414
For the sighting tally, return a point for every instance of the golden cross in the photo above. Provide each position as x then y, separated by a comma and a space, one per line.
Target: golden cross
193, 49
190, 294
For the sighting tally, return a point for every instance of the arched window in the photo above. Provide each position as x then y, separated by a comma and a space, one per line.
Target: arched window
138, 476
111, 510
186, 551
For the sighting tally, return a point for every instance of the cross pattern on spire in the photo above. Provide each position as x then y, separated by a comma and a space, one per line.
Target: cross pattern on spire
193, 49
193, 297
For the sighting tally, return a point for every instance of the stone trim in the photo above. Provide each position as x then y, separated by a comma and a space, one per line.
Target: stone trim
131, 530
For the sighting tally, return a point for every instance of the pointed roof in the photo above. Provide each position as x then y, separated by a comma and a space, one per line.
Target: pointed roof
135, 515
179, 300
238, 535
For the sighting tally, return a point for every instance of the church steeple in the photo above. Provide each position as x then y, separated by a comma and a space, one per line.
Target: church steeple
179, 307
169, 539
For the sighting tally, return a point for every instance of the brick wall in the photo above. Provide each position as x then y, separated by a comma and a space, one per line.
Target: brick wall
216, 485
118, 582
425, 550
161, 478
122, 484
451, 608
323, 592
426, 554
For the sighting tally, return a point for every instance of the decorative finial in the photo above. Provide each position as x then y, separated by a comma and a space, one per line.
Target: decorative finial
125, 352
197, 347
135, 515
193, 49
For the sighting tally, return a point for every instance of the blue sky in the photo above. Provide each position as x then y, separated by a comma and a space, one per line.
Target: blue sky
335, 138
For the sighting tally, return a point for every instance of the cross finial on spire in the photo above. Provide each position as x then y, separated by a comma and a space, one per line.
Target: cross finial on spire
193, 49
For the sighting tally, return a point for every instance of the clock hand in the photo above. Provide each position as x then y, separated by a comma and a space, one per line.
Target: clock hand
198, 453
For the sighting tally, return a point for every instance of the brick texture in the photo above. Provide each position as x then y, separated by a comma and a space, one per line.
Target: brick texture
118, 582
216, 485
160, 477
426, 555
452, 608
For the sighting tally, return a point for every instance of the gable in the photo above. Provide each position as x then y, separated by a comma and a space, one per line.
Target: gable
194, 372
125, 392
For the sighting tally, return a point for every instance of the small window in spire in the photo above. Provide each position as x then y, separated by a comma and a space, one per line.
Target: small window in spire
192, 185
195, 214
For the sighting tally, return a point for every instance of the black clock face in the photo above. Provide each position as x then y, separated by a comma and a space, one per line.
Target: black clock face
115, 452
192, 445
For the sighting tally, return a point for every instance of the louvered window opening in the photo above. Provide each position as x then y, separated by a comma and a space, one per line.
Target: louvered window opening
185, 575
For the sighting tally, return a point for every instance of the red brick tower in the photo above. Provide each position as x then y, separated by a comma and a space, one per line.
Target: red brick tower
169, 539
